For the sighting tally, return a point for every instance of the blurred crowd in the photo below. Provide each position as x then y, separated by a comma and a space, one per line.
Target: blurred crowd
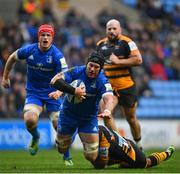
157, 36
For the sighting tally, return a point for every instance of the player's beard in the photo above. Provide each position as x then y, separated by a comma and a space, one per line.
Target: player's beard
112, 38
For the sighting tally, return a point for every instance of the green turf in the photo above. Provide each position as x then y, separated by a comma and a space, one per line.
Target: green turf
49, 161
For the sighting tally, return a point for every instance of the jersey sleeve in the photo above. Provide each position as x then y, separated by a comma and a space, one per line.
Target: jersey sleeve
70, 74
22, 53
105, 86
73, 73
60, 63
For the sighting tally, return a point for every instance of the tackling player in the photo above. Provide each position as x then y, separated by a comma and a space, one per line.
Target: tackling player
114, 149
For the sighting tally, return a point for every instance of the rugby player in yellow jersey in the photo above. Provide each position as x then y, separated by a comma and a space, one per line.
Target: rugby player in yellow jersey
121, 55
114, 149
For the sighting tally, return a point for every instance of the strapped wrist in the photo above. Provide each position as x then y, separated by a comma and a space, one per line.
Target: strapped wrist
108, 111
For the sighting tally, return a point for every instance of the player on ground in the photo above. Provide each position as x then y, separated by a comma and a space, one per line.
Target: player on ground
43, 60
114, 149
82, 117
121, 55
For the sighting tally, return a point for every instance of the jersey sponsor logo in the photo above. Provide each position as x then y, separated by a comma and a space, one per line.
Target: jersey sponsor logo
90, 95
63, 62
132, 46
108, 87
31, 57
40, 68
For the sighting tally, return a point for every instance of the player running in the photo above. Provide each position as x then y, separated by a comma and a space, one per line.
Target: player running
43, 60
81, 116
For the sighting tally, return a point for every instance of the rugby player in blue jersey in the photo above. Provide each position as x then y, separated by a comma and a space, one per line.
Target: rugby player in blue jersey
83, 116
43, 60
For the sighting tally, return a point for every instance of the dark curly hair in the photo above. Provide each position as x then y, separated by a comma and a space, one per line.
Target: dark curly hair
97, 57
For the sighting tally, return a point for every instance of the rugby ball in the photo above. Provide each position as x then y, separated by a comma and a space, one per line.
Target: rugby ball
73, 98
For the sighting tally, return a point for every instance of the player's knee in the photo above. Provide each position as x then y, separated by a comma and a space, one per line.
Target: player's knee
63, 144
91, 151
31, 114
30, 119
54, 116
54, 119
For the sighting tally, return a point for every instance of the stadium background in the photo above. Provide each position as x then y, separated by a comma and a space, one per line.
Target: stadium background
153, 24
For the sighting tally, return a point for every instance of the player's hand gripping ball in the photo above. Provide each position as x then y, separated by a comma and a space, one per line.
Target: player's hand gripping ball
73, 98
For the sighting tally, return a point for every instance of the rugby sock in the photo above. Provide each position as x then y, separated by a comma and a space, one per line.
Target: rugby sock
157, 157
34, 132
138, 142
67, 154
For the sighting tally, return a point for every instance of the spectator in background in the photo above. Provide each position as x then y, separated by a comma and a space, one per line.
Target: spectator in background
14, 34
158, 71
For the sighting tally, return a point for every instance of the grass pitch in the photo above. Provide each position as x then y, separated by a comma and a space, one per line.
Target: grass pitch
49, 161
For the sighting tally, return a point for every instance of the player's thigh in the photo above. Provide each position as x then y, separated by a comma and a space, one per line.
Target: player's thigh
32, 108
90, 143
65, 131
89, 136
130, 112
128, 101
52, 105
67, 125
127, 97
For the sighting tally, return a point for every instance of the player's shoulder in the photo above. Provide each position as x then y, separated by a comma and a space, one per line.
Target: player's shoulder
77, 69
101, 41
101, 76
29, 46
28, 49
125, 38
101, 79
56, 51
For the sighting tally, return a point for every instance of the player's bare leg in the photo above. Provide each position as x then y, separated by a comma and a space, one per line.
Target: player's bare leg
91, 144
31, 116
130, 114
66, 156
63, 143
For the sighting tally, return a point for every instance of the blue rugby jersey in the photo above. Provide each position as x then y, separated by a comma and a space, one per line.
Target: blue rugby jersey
95, 88
41, 67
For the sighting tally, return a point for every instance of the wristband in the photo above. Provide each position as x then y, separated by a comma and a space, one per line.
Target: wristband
63, 86
108, 111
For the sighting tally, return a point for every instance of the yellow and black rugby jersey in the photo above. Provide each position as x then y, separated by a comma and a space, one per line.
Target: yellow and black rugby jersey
119, 77
116, 152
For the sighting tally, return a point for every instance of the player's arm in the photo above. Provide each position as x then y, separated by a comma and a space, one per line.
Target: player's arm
132, 60
133, 57
59, 83
9, 64
108, 105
